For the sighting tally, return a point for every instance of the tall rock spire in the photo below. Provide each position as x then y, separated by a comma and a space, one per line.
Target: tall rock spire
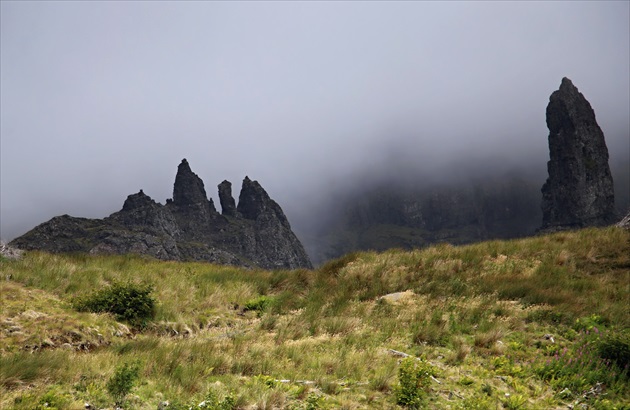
188, 189
228, 205
253, 199
579, 190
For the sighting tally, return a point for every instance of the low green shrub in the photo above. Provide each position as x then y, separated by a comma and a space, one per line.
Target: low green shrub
127, 301
594, 357
414, 378
54, 399
212, 401
259, 304
615, 347
588, 323
514, 402
122, 381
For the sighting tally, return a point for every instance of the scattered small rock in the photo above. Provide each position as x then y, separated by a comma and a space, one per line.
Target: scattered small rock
10, 252
397, 296
594, 391
625, 222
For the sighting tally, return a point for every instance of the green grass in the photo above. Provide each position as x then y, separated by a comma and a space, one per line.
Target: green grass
477, 314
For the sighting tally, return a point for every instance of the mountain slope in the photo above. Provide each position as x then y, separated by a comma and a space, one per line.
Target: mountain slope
528, 323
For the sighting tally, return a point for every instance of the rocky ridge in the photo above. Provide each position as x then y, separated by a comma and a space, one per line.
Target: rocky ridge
187, 227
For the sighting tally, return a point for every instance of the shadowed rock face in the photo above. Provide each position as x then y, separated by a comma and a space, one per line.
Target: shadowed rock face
228, 205
408, 217
579, 191
188, 227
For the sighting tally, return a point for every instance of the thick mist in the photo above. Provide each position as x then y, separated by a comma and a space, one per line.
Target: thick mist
315, 100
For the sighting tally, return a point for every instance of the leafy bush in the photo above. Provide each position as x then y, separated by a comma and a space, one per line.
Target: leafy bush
590, 322
514, 402
129, 302
54, 399
212, 401
616, 348
595, 357
123, 380
414, 378
259, 304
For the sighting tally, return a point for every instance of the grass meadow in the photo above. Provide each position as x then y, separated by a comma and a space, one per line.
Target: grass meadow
535, 323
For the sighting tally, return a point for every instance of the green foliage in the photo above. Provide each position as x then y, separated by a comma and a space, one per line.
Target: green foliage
122, 381
259, 304
327, 331
588, 323
476, 403
514, 402
212, 402
127, 301
414, 378
313, 402
615, 347
466, 381
54, 399
266, 380
589, 360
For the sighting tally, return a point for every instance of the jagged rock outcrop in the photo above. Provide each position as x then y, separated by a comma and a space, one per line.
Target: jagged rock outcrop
188, 227
228, 205
579, 191
8, 252
272, 237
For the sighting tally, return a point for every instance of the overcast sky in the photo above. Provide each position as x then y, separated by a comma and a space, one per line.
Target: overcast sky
101, 99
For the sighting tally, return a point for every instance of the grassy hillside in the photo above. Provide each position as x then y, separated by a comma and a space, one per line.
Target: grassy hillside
537, 323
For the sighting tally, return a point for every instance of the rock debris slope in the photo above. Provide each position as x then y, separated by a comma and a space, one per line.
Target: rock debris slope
188, 227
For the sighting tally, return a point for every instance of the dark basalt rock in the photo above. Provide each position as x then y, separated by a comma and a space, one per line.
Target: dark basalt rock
189, 194
408, 217
228, 205
188, 189
269, 234
579, 191
254, 203
186, 228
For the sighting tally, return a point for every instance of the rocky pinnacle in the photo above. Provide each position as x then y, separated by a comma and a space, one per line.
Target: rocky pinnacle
188, 189
579, 190
228, 205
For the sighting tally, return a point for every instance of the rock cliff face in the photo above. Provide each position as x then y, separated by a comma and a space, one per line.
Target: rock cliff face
405, 217
188, 227
579, 191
